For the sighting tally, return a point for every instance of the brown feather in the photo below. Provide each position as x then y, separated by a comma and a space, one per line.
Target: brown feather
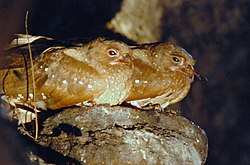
68, 76
162, 75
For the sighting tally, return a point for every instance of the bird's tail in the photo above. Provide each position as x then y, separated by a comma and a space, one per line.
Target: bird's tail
3, 75
10, 77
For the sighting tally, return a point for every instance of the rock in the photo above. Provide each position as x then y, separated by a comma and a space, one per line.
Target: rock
122, 135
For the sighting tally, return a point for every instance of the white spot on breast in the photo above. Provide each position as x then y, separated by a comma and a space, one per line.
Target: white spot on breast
46, 69
41, 67
90, 86
145, 82
53, 76
43, 96
20, 95
80, 82
64, 81
31, 95
137, 81
75, 79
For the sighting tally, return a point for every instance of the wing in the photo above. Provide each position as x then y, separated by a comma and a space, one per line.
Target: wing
60, 81
162, 88
147, 82
64, 81
13, 81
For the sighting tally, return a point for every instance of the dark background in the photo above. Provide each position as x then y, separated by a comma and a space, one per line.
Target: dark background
215, 32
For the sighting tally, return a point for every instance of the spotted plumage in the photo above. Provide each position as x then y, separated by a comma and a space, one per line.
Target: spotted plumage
98, 71
162, 75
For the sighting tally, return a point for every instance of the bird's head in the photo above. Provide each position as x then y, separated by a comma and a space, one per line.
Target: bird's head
109, 52
175, 58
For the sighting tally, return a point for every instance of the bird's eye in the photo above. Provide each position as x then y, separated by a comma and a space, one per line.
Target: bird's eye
112, 52
176, 59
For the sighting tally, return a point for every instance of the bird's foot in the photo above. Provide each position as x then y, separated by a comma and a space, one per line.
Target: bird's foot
86, 104
153, 107
172, 112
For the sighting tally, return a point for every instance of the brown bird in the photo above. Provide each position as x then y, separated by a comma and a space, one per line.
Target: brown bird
98, 71
162, 75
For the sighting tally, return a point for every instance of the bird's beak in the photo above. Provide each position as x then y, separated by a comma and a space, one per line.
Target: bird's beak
126, 58
189, 71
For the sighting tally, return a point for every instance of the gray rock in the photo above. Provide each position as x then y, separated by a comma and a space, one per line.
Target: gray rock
121, 135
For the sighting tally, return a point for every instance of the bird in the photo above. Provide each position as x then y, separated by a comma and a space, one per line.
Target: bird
97, 72
163, 73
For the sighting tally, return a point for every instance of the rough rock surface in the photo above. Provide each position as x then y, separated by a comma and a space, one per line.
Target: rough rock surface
121, 135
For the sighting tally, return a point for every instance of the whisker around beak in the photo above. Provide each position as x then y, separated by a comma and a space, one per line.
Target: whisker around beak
200, 76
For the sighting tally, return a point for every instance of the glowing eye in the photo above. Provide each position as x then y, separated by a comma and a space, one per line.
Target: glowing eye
112, 52
176, 59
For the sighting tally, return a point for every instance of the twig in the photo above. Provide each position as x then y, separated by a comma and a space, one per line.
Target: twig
32, 73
